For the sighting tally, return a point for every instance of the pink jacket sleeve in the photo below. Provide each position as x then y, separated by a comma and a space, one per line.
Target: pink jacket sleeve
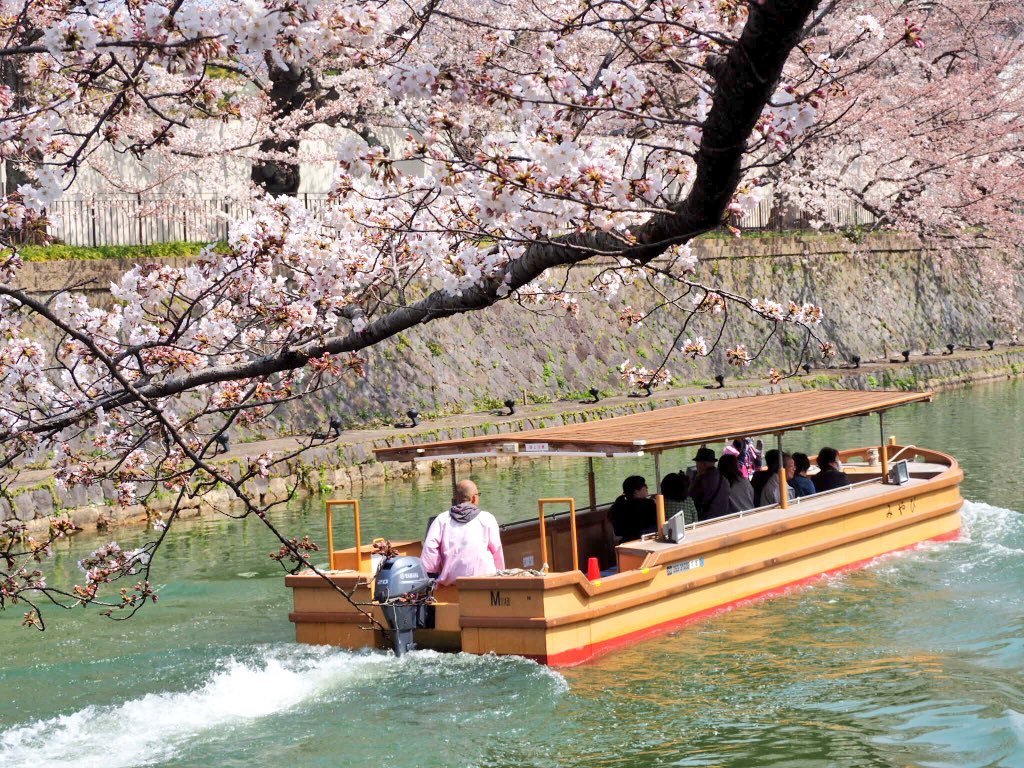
431, 555
494, 544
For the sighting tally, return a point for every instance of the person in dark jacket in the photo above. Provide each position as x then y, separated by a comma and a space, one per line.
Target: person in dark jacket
802, 485
633, 513
830, 474
710, 491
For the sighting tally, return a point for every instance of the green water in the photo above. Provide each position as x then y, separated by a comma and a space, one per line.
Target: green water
915, 660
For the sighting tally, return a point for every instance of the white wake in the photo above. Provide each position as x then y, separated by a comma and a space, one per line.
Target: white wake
155, 726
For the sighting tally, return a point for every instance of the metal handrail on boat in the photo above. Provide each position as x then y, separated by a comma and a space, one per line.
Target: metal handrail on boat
793, 502
893, 458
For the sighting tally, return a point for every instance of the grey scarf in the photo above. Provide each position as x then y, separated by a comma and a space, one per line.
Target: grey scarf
464, 512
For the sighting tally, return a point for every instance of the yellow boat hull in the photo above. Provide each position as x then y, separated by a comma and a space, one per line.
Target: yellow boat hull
564, 618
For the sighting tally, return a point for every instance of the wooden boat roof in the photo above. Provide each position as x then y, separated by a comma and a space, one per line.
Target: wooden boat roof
657, 430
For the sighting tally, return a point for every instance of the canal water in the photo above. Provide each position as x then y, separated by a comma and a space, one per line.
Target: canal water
915, 660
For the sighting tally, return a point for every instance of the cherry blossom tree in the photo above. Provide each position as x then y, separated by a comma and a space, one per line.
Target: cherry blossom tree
536, 137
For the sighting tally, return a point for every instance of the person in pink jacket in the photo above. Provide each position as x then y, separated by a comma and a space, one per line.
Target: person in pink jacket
464, 541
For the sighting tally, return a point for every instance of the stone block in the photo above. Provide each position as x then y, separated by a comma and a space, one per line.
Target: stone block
85, 517
372, 473
257, 485
129, 513
217, 497
39, 525
6, 512
278, 488
32, 504
359, 453
76, 496
108, 492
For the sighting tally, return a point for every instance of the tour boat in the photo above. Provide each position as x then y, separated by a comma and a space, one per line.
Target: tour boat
545, 607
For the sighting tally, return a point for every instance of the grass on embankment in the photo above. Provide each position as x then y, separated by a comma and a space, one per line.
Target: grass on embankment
85, 253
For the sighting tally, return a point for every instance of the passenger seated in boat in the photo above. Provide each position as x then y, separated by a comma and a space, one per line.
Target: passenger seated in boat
770, 492
771, 460
741, 492
633, 513
710, 491
830, 471
674, 487
464, 541
802, 485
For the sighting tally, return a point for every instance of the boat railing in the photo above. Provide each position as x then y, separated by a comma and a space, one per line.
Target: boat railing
330, 505
900, 451
792, 503
574, 544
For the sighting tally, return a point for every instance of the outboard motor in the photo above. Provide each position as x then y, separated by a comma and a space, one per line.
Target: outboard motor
402, 590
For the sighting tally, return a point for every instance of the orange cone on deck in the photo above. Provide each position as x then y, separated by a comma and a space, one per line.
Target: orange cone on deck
593, 569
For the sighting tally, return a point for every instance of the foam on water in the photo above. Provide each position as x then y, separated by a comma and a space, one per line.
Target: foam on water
153, 727
157, 726
988, 525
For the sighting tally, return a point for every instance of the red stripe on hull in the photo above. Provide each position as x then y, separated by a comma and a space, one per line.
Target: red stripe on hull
588, 652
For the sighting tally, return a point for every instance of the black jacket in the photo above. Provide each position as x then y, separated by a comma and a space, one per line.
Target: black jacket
710, 493
632, 517
828, 479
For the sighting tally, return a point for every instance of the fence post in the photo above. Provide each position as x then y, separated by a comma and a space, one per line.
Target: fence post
92, 230
138, 215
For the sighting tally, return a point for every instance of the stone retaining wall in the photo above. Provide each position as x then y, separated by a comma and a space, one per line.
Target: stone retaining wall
343, 468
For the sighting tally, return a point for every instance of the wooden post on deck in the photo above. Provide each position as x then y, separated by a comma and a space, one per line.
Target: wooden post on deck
451, 464
659, 508
591, 484
883, 451
657, 472
359, 541
783, 485
543, 539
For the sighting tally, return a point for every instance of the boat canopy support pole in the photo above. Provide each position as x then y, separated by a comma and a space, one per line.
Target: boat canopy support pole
657, 472
591, 484
451, 464
883, 451
783, 496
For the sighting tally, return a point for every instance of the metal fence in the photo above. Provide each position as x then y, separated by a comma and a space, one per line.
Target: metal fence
148, 219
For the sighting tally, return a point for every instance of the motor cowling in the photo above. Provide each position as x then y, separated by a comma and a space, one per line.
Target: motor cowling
400, 576
402, 590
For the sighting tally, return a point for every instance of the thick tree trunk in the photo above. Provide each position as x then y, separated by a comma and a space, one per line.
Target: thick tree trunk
10, 75
291, 90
